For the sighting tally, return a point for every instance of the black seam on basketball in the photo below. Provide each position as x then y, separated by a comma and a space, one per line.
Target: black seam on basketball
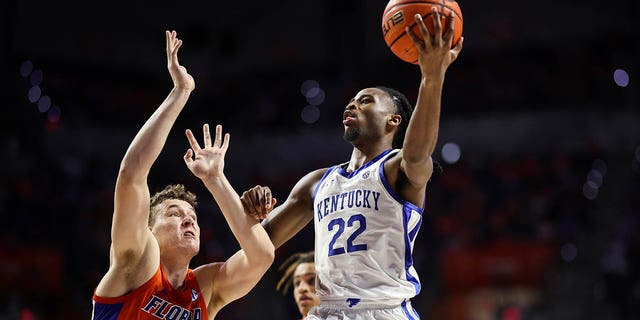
454, 12
429, 2
405, 32
412, 25
410, 2
406, 3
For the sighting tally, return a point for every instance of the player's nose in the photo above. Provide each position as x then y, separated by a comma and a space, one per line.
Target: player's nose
350, 106
188, 221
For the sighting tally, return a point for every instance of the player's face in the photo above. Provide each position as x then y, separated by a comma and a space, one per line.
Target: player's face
304, 287
366, 116
176, 226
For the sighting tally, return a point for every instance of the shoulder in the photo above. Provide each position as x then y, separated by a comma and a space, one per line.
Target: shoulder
406, 180
317, 174
205, 277
205, 274
308, 182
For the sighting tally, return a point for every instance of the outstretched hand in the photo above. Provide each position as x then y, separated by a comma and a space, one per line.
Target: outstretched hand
434, 50
207, 162
181, 78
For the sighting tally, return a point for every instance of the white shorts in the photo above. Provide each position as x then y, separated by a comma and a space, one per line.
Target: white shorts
401, 312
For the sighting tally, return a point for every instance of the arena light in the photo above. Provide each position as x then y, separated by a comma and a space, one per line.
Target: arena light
37, 96
307, 88
596, 177
569, 252
310, 114
318, 99
34, 94
26, 68
621, 77
36, 77
54, 114
599, 165
44, 104
590, 190
451, 152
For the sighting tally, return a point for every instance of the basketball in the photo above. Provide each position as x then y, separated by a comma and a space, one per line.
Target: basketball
400, 13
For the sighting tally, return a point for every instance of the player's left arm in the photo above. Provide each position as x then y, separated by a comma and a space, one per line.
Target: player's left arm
434, 57
232, 279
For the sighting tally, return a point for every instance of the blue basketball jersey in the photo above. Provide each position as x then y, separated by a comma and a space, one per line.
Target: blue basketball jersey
364, 236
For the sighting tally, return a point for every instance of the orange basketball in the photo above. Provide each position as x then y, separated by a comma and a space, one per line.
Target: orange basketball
400, 13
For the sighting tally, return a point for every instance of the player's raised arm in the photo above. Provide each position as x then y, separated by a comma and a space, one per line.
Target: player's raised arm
434, 57
235, 277
130, 235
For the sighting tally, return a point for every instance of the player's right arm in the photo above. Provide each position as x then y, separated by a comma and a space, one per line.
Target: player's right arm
134, 253
287, 219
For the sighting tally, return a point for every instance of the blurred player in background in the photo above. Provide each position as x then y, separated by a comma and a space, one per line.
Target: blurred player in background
367, 211
153, 239
299, 273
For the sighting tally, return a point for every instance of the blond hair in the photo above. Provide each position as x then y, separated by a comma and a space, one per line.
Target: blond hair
172, 191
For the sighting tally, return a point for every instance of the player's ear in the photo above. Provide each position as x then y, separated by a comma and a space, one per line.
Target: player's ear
395, 119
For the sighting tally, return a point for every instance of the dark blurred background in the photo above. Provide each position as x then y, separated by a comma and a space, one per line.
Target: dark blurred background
535, 216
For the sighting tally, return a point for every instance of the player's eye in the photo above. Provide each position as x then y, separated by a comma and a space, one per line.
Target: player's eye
365, 100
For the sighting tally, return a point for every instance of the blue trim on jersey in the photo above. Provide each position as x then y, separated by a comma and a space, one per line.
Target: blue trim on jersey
414, 232
324, 176
406, 311
407, 208
102, 311
392, 192
408, 257
386, 184
349, 175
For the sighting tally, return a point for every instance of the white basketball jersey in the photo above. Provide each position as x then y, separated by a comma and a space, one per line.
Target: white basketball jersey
364, 235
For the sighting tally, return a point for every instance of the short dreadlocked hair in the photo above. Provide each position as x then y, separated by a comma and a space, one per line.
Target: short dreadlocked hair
289, 267
172, 191
404, 109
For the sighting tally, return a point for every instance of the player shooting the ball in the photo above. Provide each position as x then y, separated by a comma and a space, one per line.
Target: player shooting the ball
367, 211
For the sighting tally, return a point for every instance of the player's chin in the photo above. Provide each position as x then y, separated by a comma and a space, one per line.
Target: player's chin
304, 309
191, 246
350, 134
305, 303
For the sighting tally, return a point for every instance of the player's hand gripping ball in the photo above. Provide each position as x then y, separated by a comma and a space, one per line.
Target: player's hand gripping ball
400, 13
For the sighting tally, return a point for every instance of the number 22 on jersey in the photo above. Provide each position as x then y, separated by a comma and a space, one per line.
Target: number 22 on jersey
356, 224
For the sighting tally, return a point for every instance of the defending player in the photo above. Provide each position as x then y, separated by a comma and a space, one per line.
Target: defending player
153, 239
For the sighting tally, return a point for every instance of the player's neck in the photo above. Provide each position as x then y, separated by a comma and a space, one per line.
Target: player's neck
175, 270
362, 155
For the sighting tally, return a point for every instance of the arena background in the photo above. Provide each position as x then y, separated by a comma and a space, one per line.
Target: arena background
536, 215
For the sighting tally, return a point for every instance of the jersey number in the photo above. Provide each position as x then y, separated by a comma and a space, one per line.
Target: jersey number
339, 222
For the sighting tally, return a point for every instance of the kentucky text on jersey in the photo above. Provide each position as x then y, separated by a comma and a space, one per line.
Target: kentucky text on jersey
163, 309
360, 198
